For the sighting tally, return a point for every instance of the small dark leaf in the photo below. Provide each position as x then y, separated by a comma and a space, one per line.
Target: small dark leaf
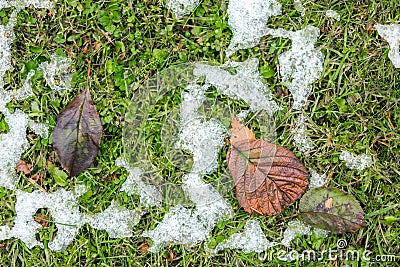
76, 137
332, 209
268, 177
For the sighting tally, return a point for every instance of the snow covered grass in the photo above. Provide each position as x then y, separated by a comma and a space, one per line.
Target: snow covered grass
352, 106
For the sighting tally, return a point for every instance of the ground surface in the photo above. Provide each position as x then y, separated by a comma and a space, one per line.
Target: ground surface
354, 106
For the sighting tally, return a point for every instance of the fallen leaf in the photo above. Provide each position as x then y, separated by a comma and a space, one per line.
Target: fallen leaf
24, 167
41, 219
76, 137
332, 209
37, 177
144, 248
268, 177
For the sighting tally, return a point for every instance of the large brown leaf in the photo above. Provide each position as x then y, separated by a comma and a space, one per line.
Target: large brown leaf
268, 177
76, 137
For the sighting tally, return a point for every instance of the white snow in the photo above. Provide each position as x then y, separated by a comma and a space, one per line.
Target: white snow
64, 207
299, 7
332, 14
25, 91
302, 142
149, 195
248, 22
251, 240
189, 227
254, 240
391, 33
56, 73
302, 65
294, 229
180, 8
246, 83
359, 162
316, 180
38, 128
117, 221
20, 4
204, 140
14, 143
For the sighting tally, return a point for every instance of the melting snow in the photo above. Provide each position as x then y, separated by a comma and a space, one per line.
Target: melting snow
182, 7
20, 4
203, 138
299, 7
117, 221
359, 162
254, 240
316, 180
300, 138
56, 73
26, 90
302, 64
391, 33
64, 207
245, 84
251, 240
332, 14
294, 229
14, 143
189, 227
149, 195
248, 21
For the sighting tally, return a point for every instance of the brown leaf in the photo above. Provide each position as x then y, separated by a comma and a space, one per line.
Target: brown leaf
24, 167
37, 177
42, 219
76, 137
268, 177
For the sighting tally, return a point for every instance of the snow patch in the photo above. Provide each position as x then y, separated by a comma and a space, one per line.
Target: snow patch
302, 142
359, 162
248, 22
21, 4
203, 139
149, 195
117, 221
38, 128
14, 143
251, 240
64, 207
302, 65
245, 83
316, 180
391, 33
56, 73
242, 115
180, 8
299, 7
190, 227
332, 14
254, 240
26, 90
294, 229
